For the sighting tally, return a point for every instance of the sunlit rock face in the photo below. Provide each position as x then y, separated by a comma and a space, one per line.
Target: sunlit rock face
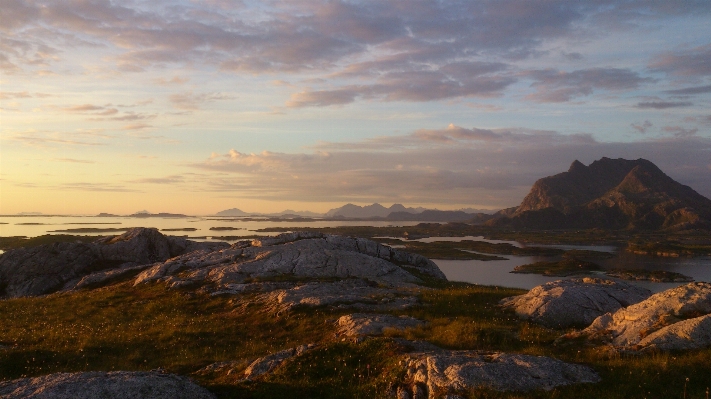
48, 268
574, 302
111, 385
436, 371
302, 269
300, 255
677, 318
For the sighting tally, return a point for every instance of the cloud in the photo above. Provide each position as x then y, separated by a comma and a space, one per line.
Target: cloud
5, 95
191, 101
693, 62
160, 180
370, 49
136, 126
452, 80
322, 98
454, 165
679, 131
97, 187
664, 104
52, 138
691, 90
554, 86
72, 160
642, 128
91, 109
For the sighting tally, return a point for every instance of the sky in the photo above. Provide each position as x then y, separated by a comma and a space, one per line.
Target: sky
198, 106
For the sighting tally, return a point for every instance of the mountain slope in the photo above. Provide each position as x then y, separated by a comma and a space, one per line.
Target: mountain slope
611, 193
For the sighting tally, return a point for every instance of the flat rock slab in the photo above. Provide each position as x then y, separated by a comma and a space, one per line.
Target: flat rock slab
654, 320
304, 255
359, 324
112, 385
351, 293
431, 374
574, 302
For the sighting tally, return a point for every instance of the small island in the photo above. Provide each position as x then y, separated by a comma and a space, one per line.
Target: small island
657, 276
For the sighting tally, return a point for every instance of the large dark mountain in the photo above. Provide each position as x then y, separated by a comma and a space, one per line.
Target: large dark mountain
610, 193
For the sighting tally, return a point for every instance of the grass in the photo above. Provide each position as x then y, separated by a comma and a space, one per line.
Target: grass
126, 328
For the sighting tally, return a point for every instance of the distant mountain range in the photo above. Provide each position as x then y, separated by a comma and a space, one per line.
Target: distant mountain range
369, 211
396, 212
235, 212
610, 193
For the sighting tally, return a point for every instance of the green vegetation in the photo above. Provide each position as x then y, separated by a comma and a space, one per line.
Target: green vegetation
127, 328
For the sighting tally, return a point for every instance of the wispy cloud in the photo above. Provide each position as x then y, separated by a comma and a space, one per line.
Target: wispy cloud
664, 104
642, 127
192, 101
72, 160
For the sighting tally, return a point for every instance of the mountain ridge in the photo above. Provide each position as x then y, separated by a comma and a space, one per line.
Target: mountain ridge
610, 193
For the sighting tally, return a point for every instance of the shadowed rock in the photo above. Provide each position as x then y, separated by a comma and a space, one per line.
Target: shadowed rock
351, 293
670, 319
358, 324
268, 363
435, 372
112, 385
47, 268
574, 302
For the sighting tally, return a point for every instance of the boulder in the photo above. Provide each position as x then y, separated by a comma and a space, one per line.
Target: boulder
430, 374
574, 302
302, 255
358, 324
111, 385
47, 268
635, 326
684, 335
268, 363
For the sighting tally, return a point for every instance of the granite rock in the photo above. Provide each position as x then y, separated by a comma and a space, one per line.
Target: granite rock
635, 326
358, 324
433, 373
48, 268
111, 385
574, 302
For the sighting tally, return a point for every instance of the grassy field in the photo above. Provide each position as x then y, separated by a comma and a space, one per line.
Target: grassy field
126, 328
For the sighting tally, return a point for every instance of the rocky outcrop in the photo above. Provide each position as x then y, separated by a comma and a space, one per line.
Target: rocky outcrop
435, 373
666, 320
304, 255
684, 335
268, 363
47, 268
574, 302
359, 324
111, 385
350, 294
